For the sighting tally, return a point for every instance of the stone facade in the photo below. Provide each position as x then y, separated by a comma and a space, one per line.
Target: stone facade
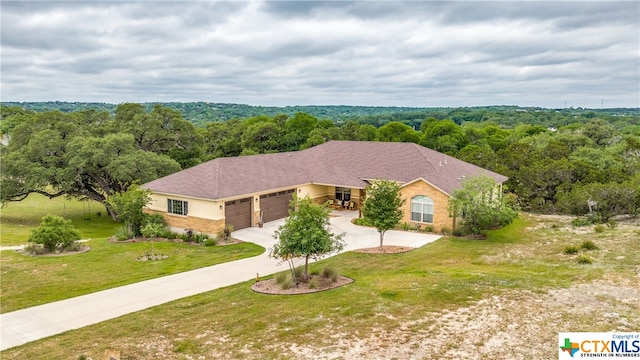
207, 226
441, 218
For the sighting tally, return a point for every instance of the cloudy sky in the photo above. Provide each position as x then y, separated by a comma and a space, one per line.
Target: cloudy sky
417, 53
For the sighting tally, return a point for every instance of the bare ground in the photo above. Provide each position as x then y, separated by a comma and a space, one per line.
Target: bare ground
516, 325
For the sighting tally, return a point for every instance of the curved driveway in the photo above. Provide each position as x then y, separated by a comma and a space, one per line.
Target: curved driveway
22, 326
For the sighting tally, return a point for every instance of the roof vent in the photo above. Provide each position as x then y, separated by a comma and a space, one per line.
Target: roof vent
440, 162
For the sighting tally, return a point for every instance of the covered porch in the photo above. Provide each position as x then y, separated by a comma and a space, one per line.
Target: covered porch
340, 198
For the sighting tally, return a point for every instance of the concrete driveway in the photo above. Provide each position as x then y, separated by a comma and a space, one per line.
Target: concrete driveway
26, 325
356, 237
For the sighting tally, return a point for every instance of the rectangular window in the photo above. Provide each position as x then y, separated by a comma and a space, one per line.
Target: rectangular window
416, 212
343, 193
177, 207
421, 212
427, 213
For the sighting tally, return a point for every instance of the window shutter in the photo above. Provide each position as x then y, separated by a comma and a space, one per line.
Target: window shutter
169, 206
186, 208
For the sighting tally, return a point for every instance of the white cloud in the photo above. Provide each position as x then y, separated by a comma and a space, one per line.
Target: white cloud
288, 53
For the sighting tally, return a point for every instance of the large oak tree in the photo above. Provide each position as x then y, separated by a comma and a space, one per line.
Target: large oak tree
84, 155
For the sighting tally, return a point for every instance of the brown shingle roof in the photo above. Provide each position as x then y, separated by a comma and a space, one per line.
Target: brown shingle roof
340, 163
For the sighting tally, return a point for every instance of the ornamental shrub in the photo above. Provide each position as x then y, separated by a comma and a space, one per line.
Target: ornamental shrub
122, 233
153, 219
330, 273
152, 230
54, 233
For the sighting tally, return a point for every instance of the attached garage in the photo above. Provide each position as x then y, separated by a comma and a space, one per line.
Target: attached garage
238, 213
275, 206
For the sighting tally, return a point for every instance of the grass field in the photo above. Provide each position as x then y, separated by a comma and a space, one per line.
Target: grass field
28, 281
454, 298
19, 218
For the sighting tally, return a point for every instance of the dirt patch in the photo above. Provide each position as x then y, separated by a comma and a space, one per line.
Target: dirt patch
485, 329
153, 257
386, 249
160, 239
488, 328
230, 242
80, 250
272, 287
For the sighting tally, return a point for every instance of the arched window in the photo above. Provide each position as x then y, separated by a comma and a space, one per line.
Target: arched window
422, 209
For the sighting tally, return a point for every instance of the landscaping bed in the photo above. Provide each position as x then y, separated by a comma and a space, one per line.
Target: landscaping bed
272, 287
385, 249
77, 250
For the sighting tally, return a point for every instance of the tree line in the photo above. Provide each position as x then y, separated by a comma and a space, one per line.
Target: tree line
586, 166
201, 113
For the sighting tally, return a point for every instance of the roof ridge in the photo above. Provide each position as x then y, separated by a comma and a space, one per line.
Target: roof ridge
421, 152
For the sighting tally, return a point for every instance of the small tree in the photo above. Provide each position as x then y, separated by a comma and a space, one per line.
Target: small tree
480, 205
128, 205
54, 233
306, 233
382, 206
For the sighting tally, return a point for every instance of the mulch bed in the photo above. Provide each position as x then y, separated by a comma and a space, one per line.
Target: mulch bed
81, 250
160, 239
385, 249
272, 287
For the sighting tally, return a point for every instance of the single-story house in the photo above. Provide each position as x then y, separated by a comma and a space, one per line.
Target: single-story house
243, 191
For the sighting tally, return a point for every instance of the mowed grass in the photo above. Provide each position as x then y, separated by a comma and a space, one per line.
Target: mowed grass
390, 292
28, 281
17, 219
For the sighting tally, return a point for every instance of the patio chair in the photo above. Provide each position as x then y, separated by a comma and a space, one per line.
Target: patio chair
337, 204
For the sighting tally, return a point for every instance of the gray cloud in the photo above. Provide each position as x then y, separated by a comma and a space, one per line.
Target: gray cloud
416, 53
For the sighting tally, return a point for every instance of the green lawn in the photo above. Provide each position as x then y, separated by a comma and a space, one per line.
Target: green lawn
19, 218
28, 281
402, 295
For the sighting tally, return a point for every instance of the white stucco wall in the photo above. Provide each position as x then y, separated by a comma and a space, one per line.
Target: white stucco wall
314, 191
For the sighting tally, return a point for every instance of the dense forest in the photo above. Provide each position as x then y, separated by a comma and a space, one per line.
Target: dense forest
201, 113
566, 161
